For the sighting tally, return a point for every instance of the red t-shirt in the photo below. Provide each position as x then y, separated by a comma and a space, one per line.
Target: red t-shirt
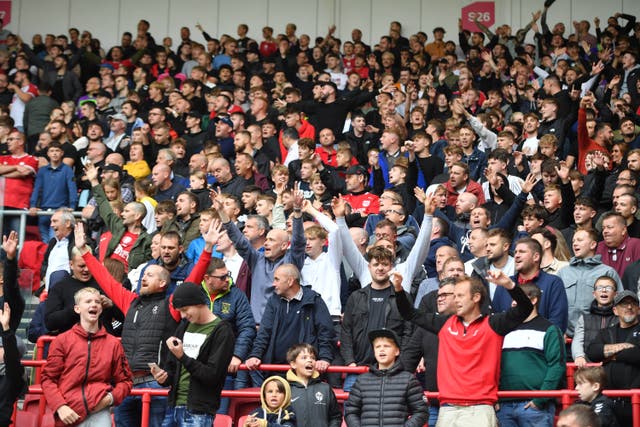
18, 190
121, 252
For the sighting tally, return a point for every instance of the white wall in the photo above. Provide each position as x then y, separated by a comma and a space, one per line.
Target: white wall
107, 19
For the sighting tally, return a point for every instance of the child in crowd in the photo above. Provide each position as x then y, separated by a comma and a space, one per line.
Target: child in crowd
312, 400
198, 185
590, 382
400, 397
197, 245
275, 396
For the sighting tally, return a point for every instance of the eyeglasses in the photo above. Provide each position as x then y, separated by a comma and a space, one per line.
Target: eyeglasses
392, 211
223, 277
444, 295
604, 288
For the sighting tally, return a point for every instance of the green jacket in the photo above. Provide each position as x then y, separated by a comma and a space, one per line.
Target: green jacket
141, 250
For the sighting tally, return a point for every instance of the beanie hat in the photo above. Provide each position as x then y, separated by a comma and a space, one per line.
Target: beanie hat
189, 294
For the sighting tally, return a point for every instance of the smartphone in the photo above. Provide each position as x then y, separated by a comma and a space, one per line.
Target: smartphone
153, 366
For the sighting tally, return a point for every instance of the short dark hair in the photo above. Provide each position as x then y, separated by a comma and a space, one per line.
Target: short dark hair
379, 253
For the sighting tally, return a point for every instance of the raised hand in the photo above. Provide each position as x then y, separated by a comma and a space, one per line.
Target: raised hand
529, 183
5, 316
430, 204
80, 237
500, 278
420, 194
91, 172
10, 244
212, 236
338, 206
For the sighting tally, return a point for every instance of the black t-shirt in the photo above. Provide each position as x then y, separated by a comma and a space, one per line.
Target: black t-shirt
377, 308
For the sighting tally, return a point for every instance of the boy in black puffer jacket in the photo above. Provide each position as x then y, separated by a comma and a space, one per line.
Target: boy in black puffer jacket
386, 395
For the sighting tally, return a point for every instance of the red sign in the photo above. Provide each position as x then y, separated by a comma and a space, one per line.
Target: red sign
5, 12
482, 11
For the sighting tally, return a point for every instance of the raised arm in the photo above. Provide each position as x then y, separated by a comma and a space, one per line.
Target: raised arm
117, 293
420, 249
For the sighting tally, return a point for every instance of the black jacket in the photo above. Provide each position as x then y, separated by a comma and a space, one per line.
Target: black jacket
386, 398
207, 372
623, 372
315, 404
354, 340
603, 406
147, 325
12, 383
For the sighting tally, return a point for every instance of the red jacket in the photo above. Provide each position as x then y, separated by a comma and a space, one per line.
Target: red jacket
363, 203
470, 378
472, 187
585, 144
80, 370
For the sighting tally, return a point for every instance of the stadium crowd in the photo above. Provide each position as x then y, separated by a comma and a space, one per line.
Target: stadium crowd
294, 190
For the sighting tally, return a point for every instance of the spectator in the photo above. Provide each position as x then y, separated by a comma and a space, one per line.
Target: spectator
619, 341
545, 366
386, 394
584, 269
200, 349
130, 242
86, 371
293, 314
553, 304
19, 170
461, 357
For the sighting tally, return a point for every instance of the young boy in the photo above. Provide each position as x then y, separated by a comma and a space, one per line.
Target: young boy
54, 187
195, 247
86, 371
312, 400
590, 382
400, 397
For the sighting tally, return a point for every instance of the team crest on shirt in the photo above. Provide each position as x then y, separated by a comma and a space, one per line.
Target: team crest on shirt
226, 308
319, 397
366, 203
155, 309
126, 240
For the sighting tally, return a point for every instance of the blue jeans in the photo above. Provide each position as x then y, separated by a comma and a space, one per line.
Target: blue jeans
349, 381
180, 416
433, 415
44, 226
513, 414
129, 412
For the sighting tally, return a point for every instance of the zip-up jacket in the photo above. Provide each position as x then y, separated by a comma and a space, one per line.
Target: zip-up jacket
386, 398
469, 356
148, 322
355, 346
141, 249
231, 305
553, 304
588, 326
313, 325
82, 368
314, 404
578, 278
207, 371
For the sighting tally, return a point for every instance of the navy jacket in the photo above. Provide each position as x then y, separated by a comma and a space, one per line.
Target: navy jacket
553, 302
314, 326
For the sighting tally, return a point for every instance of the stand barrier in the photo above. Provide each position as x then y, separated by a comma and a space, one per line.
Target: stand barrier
566, 396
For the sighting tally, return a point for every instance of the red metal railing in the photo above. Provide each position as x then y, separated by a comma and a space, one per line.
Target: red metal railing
567, 396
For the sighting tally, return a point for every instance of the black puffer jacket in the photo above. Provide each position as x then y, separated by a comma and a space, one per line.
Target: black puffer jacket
386, 398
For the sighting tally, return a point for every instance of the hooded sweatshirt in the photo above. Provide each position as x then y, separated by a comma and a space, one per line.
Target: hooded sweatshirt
281, 416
